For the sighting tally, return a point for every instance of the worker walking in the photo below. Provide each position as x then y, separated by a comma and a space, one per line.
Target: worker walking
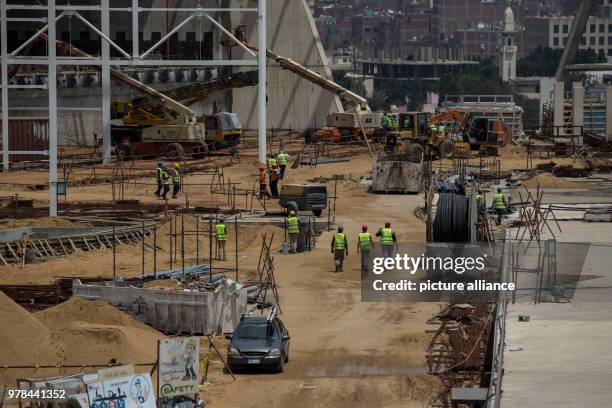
176, 180
158, 173
293, 231
282, 162
221, 238
165, 181
388, 240
499, 204
274, 177
339, 247
365, 245
479, 199
263, 183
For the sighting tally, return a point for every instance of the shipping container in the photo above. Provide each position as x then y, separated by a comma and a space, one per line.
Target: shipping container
27, 134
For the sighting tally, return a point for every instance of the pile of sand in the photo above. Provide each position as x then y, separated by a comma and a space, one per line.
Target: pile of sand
24, 340
48, 222
93, 332
546, 180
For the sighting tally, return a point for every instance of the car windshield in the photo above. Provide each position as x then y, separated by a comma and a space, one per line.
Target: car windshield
256, 331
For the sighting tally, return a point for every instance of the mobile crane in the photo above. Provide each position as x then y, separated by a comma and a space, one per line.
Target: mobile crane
159, 123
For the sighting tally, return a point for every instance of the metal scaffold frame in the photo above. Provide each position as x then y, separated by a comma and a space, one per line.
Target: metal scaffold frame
105, 61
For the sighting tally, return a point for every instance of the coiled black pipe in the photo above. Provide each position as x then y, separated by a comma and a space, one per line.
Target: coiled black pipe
452, 219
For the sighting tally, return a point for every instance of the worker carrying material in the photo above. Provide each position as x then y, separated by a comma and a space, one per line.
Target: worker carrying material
499, 204
158, 173
221, 238
282, 162
388, 240
263, 183
165, 181
271, 162
176, 179
365, 246
293, 231
339, 247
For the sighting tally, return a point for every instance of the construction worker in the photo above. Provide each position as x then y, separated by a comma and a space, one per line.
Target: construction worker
479, 199
339, 247
165, 181
365, 245
271, 162
158, 172
263, 183
388, 240
499, 204
221, 238
274, 177
282, 162
293, 231
176, 180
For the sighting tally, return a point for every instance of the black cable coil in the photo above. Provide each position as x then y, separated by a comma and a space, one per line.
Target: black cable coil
452, 219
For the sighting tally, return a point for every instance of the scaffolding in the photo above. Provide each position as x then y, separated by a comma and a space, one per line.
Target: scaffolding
11, 13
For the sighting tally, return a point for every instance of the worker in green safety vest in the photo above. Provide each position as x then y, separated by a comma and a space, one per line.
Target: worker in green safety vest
365, 246
339, 247
479, 199
165, 181
221, 238
158, 173
293, 231
272, 162
282, 162
499, 204
388, 240
176, 179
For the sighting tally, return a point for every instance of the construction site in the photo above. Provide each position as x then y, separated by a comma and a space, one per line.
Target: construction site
177, 174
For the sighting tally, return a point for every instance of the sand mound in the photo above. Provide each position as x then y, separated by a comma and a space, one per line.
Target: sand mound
48, 222
546, 180
93, 332
24, 340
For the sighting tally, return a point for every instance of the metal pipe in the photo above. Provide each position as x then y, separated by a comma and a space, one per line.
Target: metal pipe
183, 245
230, 35
262, 93
100, 33
154, 251
236, 242
143, 249
4, 77
33, 37
135, 38
210, 258
114, 268
106, 86
197, 240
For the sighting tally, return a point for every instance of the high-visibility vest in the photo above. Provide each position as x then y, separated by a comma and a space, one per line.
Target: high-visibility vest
282, 159
263, 178
386, 236
293, 225
499, 202
339, 240
271, 163
158, 173
220, 232
386, 121
165, 179
478, 197
176, 177
365, 240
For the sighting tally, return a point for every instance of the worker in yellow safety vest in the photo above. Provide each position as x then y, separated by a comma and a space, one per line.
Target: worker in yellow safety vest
365, 245
293, 231
271, 162
176, 179
479, 199
499, 204
158, 173
388, 240
165, 181
282, 162
339, 247
221, 238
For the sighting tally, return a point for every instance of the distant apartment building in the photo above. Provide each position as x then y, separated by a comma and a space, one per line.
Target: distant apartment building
553, 32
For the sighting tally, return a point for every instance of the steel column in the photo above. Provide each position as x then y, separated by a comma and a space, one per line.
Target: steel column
262, 93
52, 84
135, 25
106, 85
4, 75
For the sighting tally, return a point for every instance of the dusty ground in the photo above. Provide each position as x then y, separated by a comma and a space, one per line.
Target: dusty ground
344, 353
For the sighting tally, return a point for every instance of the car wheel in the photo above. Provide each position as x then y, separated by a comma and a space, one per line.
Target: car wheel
281, 367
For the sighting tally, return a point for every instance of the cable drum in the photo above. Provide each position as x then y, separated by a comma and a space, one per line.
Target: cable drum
452, 219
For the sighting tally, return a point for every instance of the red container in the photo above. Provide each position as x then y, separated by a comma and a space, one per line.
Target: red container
28, 134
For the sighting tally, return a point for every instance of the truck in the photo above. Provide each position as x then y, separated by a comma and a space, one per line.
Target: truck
304, 197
